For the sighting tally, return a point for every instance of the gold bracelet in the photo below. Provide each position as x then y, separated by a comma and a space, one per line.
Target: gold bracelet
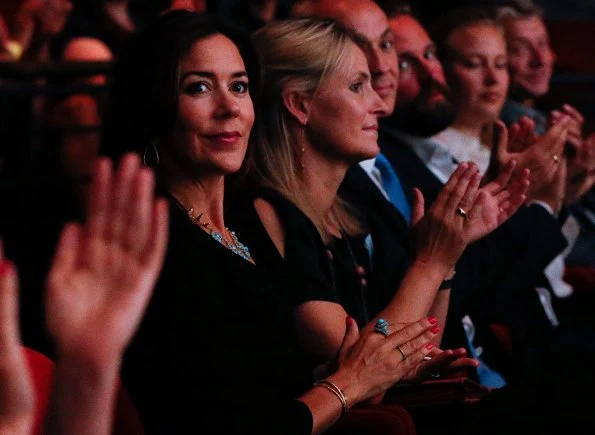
336, 391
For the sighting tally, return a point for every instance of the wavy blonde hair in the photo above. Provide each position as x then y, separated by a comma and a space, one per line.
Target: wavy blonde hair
296, 55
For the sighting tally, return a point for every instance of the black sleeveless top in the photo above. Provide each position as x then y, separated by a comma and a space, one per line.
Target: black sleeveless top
316, 271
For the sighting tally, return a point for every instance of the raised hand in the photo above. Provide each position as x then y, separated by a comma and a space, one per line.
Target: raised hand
575, 134
581, 171
463, 213
542, 156
16, 391
104, 272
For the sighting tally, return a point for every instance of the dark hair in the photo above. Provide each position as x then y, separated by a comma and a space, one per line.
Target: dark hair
143, 101
394, 8
459, 17
519, 9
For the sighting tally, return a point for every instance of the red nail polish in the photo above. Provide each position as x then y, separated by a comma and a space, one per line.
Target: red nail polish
435, 329
429, 346
433, 320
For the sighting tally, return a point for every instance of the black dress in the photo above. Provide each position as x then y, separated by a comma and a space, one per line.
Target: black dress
217, 351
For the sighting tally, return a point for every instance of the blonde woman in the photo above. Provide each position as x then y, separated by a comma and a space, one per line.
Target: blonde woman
321, 118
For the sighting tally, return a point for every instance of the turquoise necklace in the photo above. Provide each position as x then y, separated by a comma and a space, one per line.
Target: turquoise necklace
233, 244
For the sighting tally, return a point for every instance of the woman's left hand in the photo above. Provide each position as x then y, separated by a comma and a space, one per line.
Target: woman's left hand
442, 364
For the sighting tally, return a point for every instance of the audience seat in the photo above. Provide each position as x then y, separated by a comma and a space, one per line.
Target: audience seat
126, 420
382, 419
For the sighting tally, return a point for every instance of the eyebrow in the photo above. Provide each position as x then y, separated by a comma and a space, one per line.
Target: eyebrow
430, 46
386, 33
363, 75
361, 39
211, 75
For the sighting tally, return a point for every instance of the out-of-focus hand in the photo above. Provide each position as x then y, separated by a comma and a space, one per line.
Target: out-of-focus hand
543, 156
370, 364
104, 272
442, 364
4, 33
16, 390
581, 171
575, 133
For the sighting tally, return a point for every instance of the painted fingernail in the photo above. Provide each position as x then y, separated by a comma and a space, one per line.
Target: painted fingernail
433, 320
429, 346
435, 329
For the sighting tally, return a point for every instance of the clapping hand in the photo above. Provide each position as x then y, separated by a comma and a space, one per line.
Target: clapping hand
463, 212
104, 271
372, 362
575, 134
581, 171
543, 156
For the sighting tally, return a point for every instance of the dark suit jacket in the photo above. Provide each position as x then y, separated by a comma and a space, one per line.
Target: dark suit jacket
496, 276
390, 233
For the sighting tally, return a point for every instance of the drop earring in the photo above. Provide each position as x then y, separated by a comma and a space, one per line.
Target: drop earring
147, 160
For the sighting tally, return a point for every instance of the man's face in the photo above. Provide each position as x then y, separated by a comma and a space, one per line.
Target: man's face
530, 56
423, 107
371, 23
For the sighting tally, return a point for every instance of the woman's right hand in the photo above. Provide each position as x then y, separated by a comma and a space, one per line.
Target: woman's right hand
438, 235
369, 364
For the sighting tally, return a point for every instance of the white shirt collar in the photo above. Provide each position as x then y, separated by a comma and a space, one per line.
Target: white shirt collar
435, 155
369, 166
465, 147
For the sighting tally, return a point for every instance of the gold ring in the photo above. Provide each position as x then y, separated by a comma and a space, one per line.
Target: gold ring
556, 158
402, 353
461, 212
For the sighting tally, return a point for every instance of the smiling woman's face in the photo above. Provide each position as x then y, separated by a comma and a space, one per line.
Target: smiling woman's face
215, 111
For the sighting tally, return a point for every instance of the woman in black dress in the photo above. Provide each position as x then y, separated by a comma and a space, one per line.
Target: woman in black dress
322, 117
218, 338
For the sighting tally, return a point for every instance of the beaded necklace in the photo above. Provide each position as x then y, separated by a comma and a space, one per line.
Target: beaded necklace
234, 245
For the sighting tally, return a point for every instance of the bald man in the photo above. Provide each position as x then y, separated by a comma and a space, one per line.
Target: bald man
368, 20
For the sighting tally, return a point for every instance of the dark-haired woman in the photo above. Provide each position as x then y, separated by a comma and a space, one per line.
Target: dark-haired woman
217, 350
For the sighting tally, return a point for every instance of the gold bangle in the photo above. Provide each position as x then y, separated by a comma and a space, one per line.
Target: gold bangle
336, 391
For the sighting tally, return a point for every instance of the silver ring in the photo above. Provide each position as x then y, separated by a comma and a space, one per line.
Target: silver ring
402, 353
381, 327
461, 212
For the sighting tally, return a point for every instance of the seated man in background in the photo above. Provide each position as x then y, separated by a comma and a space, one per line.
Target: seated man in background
531, 65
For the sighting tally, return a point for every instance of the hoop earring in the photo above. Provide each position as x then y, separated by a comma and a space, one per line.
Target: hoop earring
146, 161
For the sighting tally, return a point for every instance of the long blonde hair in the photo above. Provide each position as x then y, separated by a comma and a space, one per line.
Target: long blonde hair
296, 55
